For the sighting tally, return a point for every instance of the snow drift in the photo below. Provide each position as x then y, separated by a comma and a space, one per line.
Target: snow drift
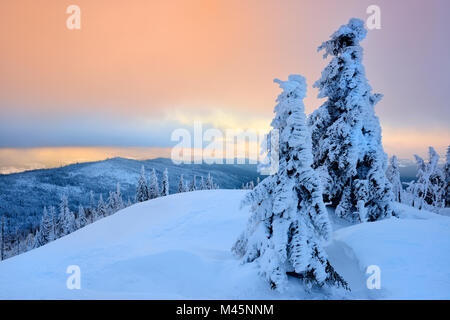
178, 247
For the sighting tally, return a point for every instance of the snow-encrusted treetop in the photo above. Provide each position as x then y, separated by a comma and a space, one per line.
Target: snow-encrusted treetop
347, 35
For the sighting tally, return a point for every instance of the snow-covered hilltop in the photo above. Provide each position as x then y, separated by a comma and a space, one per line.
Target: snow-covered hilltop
178, 247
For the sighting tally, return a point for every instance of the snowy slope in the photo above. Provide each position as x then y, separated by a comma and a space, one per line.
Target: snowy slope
178, 247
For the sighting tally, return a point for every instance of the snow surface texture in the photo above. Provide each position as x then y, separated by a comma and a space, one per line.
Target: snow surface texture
178, 247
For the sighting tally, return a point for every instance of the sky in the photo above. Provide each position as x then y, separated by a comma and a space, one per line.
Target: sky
137, 70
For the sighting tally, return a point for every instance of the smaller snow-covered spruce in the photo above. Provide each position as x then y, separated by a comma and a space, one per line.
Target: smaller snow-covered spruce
193, 185
2, 238
428, 190
115, 201
46, 229
165, 183
288, 221
447, 178
181, 185
54, 217
142, 192
209, 182
81, 219
66, 218
92, 207
153, 191
202, 184
102, 209
393, 174
119, 200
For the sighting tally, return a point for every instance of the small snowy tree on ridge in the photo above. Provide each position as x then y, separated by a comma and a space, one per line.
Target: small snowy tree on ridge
45, 233
153, 191
165, 183
393, 174
429, 186
66, 218
193, 185
288, 219
101, 211
81, 219
346, 134
142, 193
181, 185
447, 178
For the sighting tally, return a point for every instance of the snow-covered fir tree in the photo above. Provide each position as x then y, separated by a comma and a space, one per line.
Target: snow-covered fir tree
81, 219
258, 180
429, 187
346, 134
251, 186
115, 201
67, 223
447, 178
92, 207
111, 204
2, 238
416, 188
45, 233
181, 185
91, 200
55, 222
102, 209
29, 242
119, 200
436, 189
154, 186
165, 183
142, 193
202, 184
209, 182
393, 174
289, 221
193, 185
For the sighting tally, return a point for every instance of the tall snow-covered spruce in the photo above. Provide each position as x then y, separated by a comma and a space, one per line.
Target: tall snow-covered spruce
289, 221
346, 134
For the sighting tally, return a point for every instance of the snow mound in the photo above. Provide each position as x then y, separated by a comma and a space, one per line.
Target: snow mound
178, 247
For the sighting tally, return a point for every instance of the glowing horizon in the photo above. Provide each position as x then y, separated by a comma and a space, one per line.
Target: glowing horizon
137, 71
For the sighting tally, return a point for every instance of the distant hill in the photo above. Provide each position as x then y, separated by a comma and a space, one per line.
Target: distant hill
24, 194
408, 169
